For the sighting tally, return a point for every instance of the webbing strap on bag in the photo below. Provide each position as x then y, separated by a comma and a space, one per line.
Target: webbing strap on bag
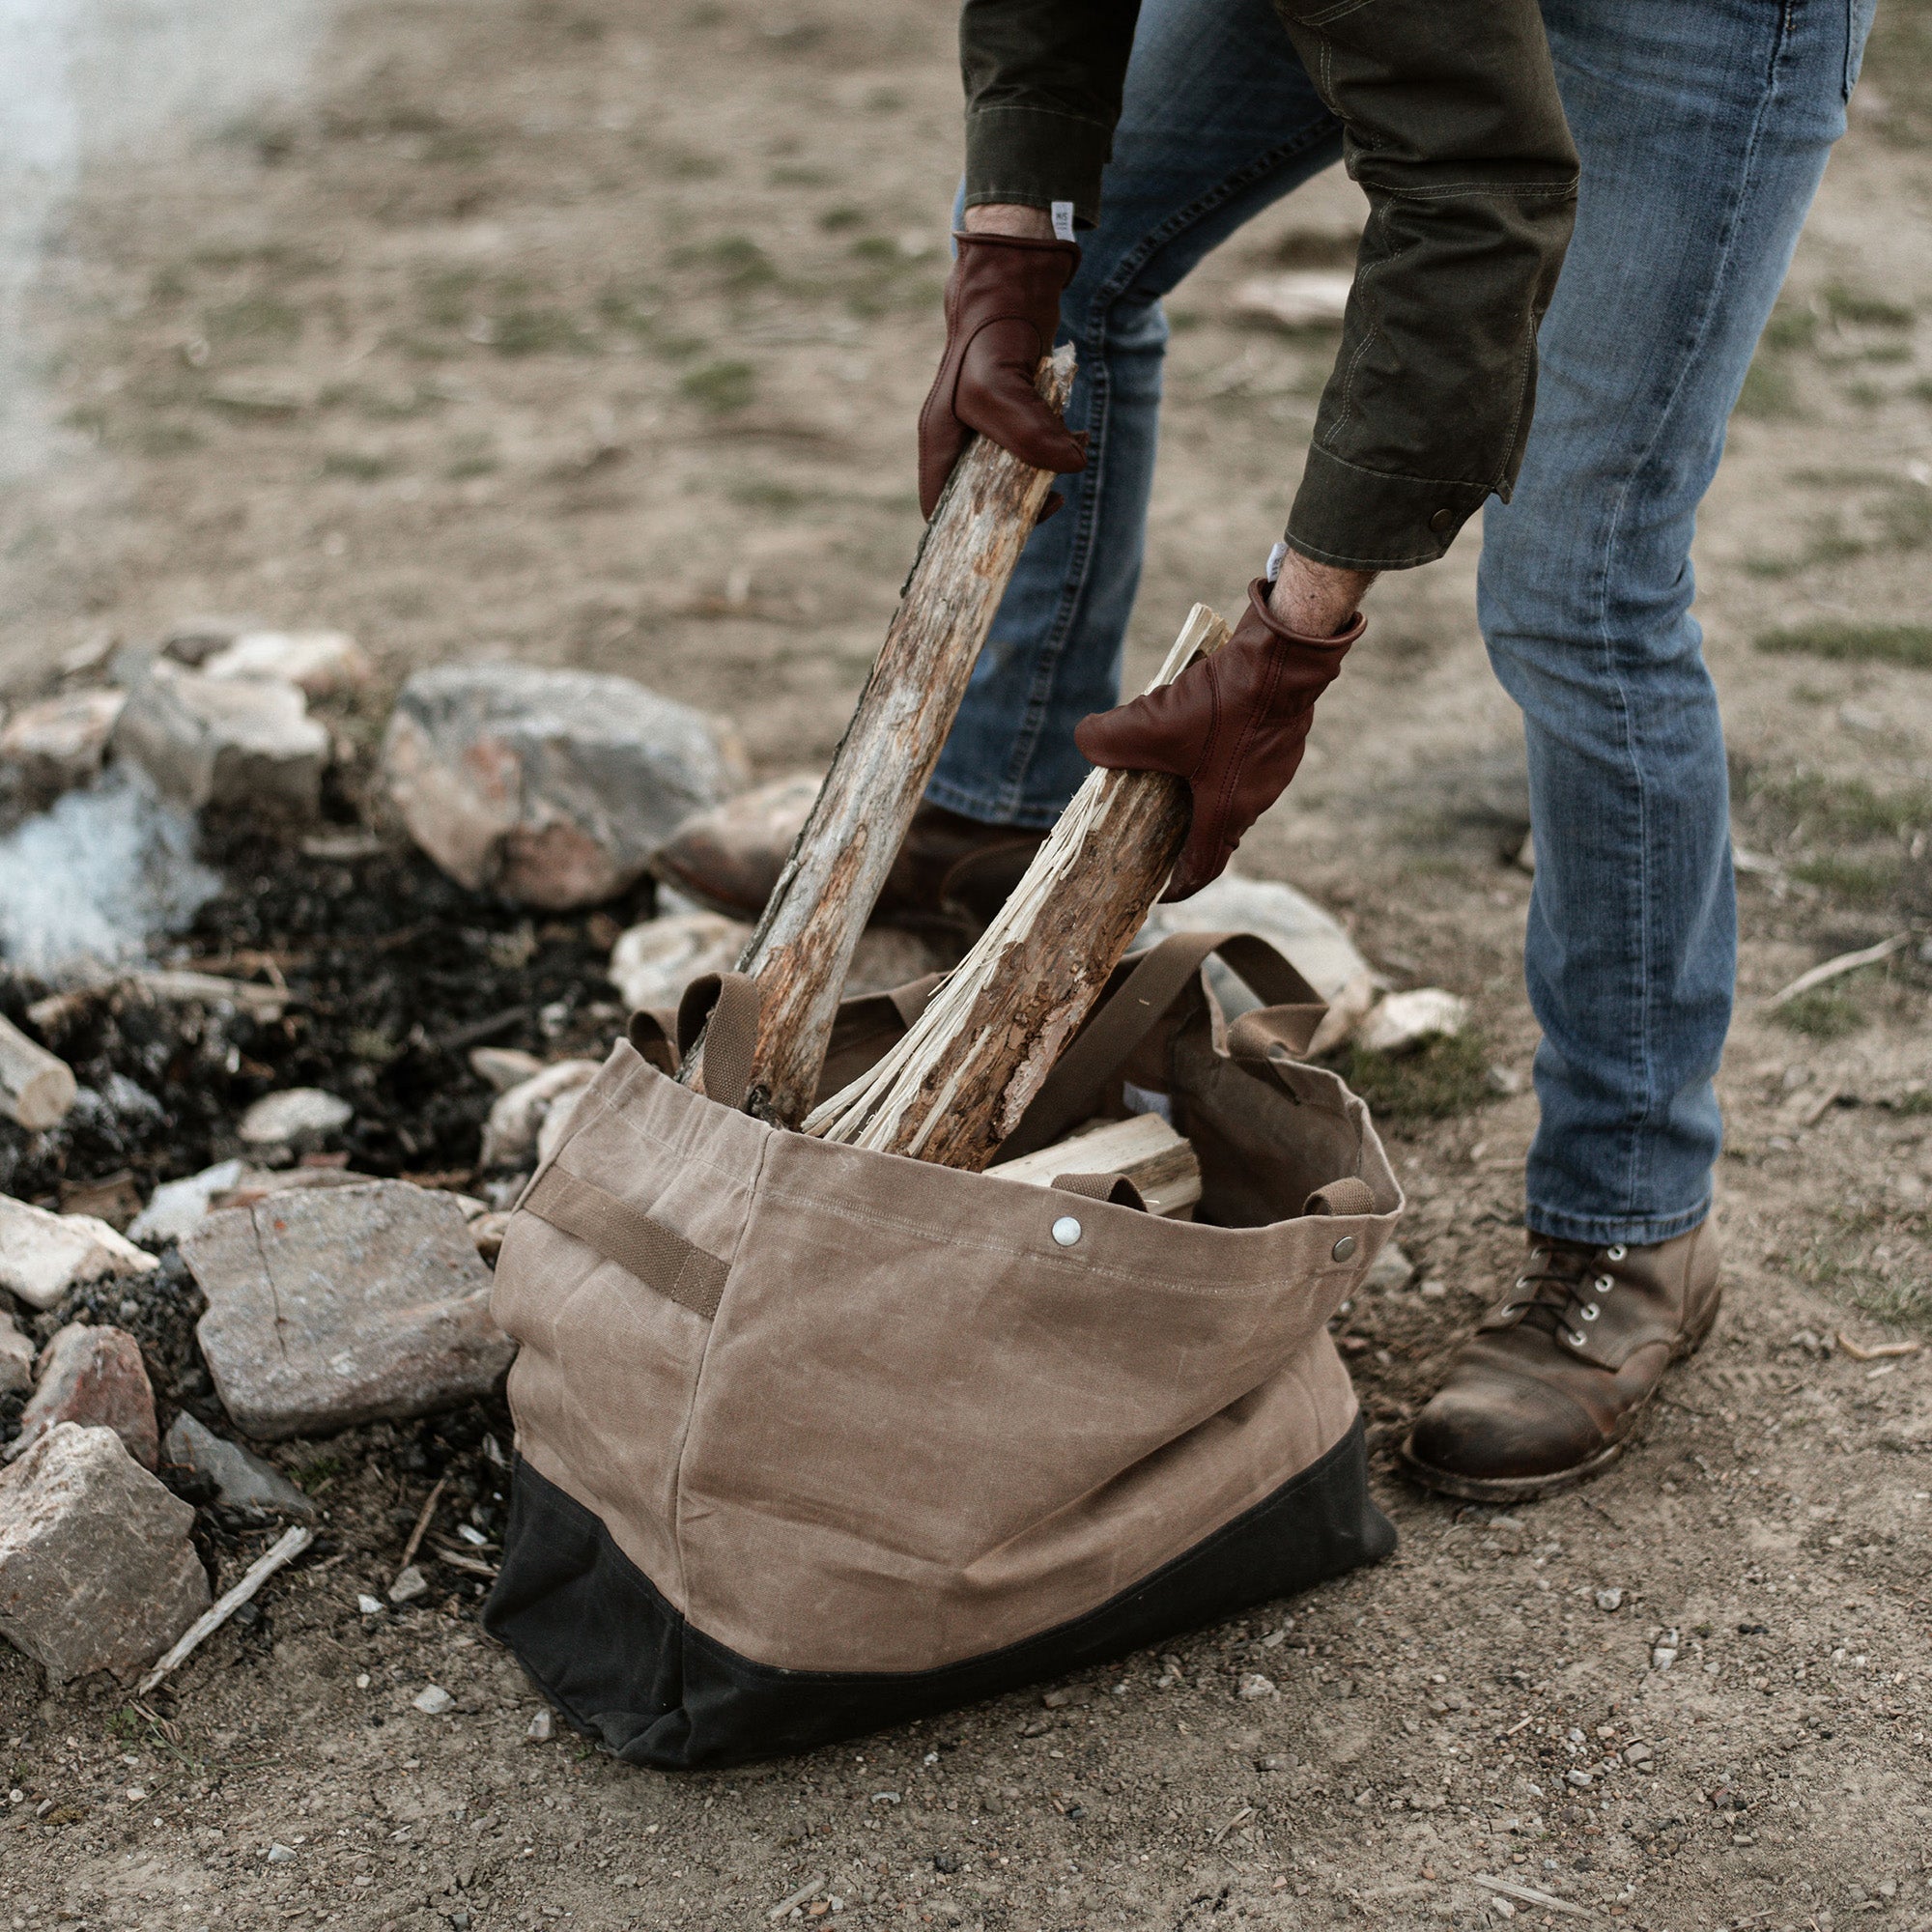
723, 1006
667, 1262
1103, 1046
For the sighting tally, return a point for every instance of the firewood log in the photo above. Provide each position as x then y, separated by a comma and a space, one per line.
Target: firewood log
1157, 1159
802, 948
36, 1087
958, 1082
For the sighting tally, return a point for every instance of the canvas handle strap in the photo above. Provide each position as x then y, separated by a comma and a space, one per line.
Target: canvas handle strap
667, 1262
1108, 1041
723, 1006
1114, 1188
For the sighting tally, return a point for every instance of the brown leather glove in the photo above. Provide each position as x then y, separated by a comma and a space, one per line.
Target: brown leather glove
1233, 726
1001, 312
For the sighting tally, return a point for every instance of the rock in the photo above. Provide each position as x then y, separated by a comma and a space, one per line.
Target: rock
299, 1117
96, 1569
1302, 298
43, 1255
333, 1306
241, 1480
503, 1066
1309, 938
368, 1606
1254, 1686
551, 787
257, 1184
94, 1377
1391, 1273
244, 743
61, 743
322, 664
1663, 1652
739, 847
540, 1728
517, 1119
1609, 1600
17, 1358
653, 963
1404, 1021
408, 1586
1581, 1779
433, 1700
281, 1855
177, 1205
1637, 1753
487, 1230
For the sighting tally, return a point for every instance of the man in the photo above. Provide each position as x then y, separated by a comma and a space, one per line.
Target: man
1702, 127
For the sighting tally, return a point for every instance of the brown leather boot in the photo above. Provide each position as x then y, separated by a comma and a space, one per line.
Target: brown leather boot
728, 858
1549, 1388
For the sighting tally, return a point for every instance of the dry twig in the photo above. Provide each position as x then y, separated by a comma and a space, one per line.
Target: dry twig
285, 1550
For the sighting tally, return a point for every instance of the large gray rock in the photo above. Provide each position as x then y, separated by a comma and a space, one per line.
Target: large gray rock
241, 1480
325, 664
96, 1377
237, 742
297, 1118
551, 787
335, 1306
96, 1569
43, 1255
17, 1358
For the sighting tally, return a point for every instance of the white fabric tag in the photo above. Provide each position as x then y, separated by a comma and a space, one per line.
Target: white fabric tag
1063, 222
1275, 556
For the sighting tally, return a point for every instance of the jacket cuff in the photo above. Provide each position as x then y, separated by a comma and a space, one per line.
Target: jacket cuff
1034, 156
1360, 519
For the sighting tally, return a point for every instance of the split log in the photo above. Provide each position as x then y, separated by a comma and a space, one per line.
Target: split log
958, 1082
802, 948
1157, 1159
36, 1087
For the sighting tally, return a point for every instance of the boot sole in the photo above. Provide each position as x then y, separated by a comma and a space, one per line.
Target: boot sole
1534, 1489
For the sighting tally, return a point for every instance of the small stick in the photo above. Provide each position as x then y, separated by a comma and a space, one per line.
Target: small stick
37, 1087
457, 1560
1529, 1894
1832, 969
808, 1889
415, 1543
285, 1550
1879, 1350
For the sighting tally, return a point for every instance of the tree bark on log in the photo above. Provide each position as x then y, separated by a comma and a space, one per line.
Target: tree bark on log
801, 948
36, 1087
958, 1082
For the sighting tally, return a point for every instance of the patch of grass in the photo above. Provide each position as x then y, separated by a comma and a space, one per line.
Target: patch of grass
448, 298
631, 306
470, 454
835, 220
167, 439
252, 319
737, 262
720, 386
1825, 1012
1909, 644
357, 465
878, 249
1858, 306
1861, 881
1792, 325
790, 175
687, 164
1769, 395
1439, 1081
1846, 808
537, 331
758, 493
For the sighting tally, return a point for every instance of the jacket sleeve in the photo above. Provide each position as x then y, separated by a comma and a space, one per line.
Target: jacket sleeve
1453, 126
1043, 81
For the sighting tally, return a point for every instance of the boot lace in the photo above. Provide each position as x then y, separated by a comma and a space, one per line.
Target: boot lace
1561, 1290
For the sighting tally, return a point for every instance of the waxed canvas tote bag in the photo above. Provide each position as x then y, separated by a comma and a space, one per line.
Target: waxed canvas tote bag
812, 1439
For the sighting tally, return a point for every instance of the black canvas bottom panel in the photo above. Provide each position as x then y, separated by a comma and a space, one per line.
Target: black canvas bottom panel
619, 1661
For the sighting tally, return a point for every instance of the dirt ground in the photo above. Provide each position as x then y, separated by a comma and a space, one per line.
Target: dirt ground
590, 334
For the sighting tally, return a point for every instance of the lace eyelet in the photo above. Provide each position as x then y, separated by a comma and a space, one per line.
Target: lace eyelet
1590, 1311
1604, 1283
1575, 1341
1522, 1281
1615, 1254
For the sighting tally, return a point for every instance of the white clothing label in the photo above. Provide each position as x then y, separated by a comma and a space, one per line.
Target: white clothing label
1063, 222
1275, 556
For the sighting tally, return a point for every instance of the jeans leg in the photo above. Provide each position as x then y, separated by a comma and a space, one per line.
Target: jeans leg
1219, 120
1704, 126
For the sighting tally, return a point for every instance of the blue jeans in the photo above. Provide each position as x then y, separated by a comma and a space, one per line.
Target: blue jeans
1704, 128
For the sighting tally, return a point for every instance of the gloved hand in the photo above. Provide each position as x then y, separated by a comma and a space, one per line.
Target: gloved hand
1001, 312
1232, 725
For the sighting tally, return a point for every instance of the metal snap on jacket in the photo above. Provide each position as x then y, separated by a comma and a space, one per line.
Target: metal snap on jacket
1345, 1247
1066, 1231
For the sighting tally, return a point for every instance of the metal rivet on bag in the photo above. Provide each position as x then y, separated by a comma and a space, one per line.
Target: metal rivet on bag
1345, 1247
1066, 1231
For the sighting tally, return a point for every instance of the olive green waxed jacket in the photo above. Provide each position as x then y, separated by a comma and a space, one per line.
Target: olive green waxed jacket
1452, 125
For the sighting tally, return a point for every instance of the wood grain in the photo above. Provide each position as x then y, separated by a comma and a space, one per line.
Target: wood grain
801, 948
958, 1082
